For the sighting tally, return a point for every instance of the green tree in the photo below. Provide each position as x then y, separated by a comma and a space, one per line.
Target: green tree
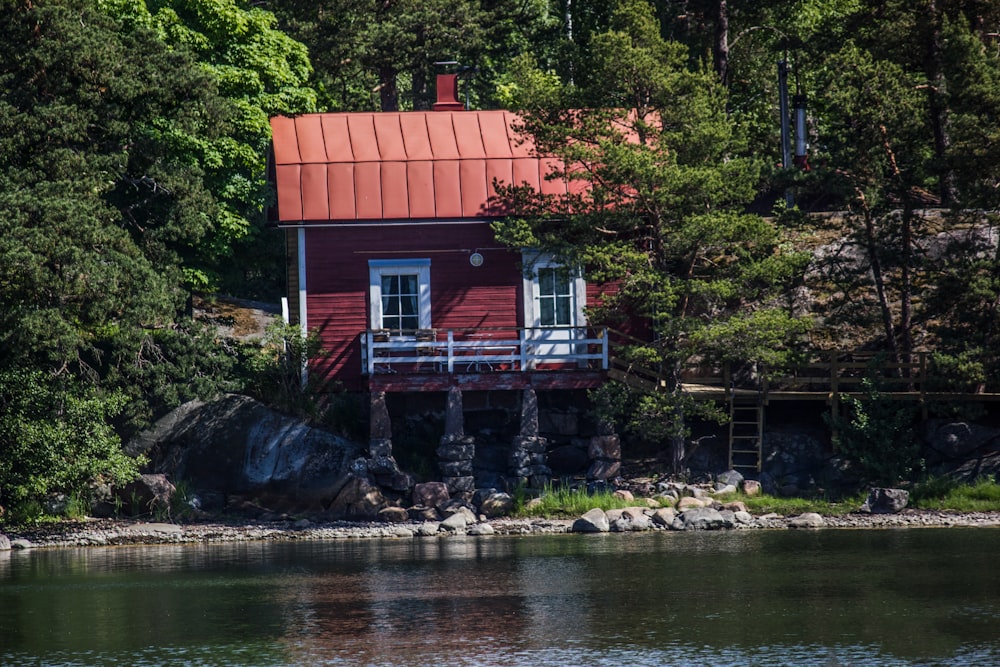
104, 204
661, 215
380, 55
55, 437
261, 72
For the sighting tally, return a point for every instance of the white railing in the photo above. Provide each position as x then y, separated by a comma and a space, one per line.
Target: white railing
484, 350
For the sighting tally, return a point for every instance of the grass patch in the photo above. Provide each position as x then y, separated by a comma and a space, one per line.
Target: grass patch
765, 504
944, 494
564, 502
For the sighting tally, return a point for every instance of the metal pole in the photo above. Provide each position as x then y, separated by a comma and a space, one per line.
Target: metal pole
786, 144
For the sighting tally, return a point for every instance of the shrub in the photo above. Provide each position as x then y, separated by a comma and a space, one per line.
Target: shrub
877, 434
55, 437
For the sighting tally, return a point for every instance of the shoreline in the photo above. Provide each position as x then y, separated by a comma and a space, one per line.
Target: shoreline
117, 532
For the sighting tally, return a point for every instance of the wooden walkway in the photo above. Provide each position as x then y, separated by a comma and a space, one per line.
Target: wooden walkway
830, 377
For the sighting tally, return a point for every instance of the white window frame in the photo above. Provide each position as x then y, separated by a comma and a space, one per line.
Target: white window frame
377, 268
533, 261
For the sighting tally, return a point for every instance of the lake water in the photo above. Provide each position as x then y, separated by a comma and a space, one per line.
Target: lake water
825, 598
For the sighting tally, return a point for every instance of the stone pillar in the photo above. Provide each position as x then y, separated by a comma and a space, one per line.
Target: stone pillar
527, 462
456, 451
605, 452
381, 463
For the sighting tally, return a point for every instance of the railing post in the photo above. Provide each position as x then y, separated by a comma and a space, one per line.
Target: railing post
369, 339
605, 344
451, 351
523, 335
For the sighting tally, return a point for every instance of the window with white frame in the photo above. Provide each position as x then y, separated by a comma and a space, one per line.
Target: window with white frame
554, 294
400, 293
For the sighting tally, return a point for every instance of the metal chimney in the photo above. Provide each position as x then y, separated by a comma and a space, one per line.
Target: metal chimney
447, 93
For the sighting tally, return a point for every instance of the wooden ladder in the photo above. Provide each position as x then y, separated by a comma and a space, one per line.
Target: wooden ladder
746, 431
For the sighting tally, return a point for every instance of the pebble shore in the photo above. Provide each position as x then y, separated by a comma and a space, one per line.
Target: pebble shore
105, 532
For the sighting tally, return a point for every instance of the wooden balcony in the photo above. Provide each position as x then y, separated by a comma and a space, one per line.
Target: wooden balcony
485, 358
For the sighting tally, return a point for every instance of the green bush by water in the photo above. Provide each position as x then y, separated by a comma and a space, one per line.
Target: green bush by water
566, 502
945, 494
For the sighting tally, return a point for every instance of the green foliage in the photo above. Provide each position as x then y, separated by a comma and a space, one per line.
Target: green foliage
55, 438
567, 502
941, 493
274, 370
260, 72
662, 216
766, 504
878, 435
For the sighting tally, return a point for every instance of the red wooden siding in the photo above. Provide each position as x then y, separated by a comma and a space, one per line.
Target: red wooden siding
462, 296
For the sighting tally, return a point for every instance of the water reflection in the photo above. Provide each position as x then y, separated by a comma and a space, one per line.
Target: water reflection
916, 597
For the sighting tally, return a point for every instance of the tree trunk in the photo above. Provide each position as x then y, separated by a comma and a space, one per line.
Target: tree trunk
720, 51
421, 99
937, 94
387, 91
871, 249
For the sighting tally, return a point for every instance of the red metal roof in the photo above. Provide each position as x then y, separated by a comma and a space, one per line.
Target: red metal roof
400, 165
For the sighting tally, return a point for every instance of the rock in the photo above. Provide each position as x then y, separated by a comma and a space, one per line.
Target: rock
742, 516
664, 516
497, 504
379, 447
430, 494
624, 494
456, 451
4, 542
728, 518
532, 444
402, 531
730, 477
689, 502
21, 544
455, 523
422, 513
807, 520
605, 447
470, 516
150, 493
460, 484
358, 499
751, 487
628, 520
455, 468
885, 501
666, 499
481, 529
428, 529
238, 446
594, 521
601, 470
699, 518
393, 515
735, 506
724, 489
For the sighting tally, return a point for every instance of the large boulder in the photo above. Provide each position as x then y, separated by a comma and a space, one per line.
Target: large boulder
594, 521
236, 446
700, 518
885, 501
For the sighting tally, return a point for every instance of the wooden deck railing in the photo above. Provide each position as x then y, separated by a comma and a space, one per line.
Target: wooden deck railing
484, 350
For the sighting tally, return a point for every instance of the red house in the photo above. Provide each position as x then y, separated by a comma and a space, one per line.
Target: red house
392, 259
